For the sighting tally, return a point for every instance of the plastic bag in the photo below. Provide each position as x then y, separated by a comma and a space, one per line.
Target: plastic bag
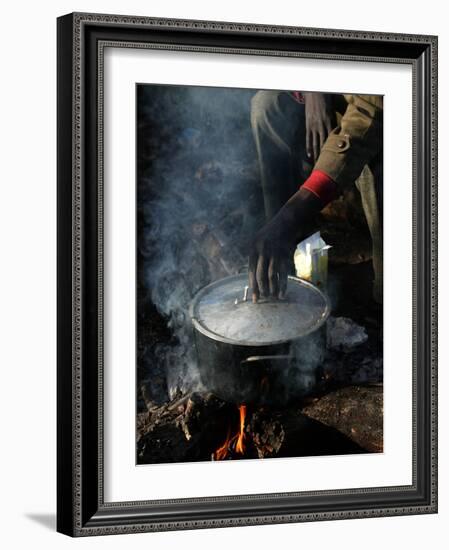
311, 260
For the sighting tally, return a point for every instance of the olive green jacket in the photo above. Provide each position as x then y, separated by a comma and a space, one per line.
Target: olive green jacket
355, 142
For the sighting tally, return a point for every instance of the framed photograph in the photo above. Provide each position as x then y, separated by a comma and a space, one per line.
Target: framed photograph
247, 279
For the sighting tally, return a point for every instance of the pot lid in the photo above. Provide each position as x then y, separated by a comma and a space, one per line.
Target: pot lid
221, 312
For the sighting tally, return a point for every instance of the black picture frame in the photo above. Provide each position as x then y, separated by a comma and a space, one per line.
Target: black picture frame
81, 509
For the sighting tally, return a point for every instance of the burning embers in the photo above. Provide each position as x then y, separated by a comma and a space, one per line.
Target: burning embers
234, 444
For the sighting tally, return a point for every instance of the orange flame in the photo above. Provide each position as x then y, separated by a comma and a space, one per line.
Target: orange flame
240, 447
222, 452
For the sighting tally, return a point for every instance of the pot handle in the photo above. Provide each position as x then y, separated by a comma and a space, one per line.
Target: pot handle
257, 358
245, 296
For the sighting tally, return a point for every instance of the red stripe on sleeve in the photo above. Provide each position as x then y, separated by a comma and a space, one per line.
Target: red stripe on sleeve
298, 97
321, 185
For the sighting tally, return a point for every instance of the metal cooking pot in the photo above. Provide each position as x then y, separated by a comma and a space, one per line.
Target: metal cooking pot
264, 353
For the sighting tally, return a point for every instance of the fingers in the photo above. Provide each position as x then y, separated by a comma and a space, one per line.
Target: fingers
273, 277
283, 278
318, 141
322, 140
262, 275
315, 146
315, 140
268, 276
309, 151
252, 276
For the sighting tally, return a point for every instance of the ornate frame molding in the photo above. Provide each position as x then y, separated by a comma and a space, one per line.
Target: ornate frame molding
82, 511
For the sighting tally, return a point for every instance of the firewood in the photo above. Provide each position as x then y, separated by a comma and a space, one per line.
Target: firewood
194, 426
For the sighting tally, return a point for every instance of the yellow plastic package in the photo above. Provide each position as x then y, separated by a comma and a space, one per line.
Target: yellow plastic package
311, 260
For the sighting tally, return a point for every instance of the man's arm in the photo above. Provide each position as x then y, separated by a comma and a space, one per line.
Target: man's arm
355, 142
346, 151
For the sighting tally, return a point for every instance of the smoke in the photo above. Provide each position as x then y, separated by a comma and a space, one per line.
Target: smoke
198, 203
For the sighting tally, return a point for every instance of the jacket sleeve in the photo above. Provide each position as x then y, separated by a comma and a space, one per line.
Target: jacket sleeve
355, 142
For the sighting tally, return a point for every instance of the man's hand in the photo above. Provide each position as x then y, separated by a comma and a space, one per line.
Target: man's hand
320, 120
271, 252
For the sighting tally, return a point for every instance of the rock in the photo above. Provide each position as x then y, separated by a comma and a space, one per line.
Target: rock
355, 411
344, 334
